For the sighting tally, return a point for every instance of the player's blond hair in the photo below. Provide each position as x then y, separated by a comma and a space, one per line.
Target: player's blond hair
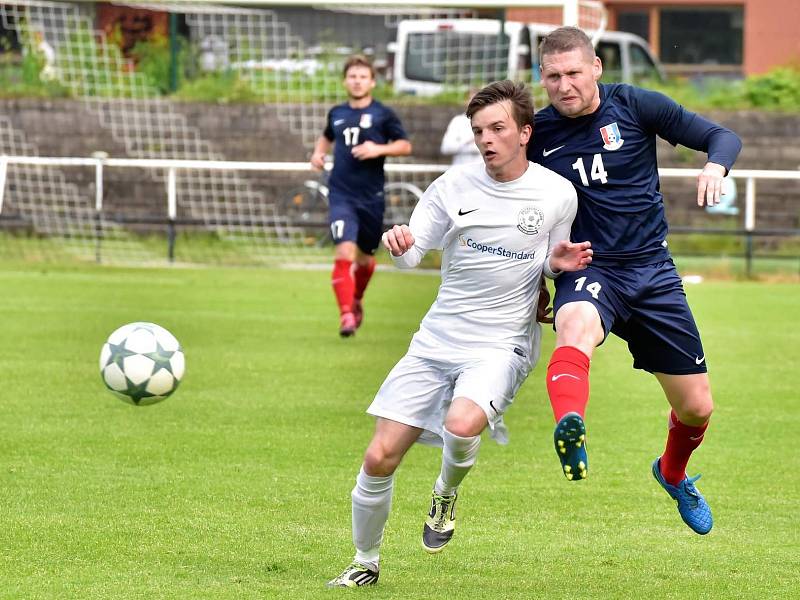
358, 60
565, 39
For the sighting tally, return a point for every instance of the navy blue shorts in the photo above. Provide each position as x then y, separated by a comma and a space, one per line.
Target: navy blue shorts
353, 220
645, 306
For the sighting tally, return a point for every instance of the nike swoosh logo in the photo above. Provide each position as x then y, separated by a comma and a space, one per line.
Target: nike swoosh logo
491, 403
461, 212
549, 152
699, 437
699, 360
338, 122
557, 377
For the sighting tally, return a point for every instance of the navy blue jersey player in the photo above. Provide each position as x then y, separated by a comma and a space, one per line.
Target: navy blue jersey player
603, 139
362, 132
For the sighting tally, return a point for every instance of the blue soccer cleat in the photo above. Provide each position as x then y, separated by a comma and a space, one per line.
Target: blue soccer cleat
570, 442
693, 508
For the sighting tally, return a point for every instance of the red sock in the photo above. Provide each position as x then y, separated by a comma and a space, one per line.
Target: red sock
568, 381
363, 274
682, 439
343, 284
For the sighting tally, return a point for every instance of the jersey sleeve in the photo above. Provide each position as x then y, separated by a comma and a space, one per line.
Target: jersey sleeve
669, 120
428, 224
328, 133
562, 227
393, 128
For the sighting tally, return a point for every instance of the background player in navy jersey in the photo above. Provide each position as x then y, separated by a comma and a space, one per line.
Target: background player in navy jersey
602, 137
364, 132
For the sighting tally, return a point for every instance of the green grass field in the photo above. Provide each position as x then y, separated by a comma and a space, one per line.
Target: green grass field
238, 486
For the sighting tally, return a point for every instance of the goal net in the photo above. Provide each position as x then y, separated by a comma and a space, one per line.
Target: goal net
287, 58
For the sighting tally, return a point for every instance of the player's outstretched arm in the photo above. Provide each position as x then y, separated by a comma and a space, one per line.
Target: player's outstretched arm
398, 240
569, 256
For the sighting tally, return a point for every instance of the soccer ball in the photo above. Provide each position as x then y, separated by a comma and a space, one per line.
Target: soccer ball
142, 363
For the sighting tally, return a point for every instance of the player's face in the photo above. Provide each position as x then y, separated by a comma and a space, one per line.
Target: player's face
358, 82
501, 141
570, 79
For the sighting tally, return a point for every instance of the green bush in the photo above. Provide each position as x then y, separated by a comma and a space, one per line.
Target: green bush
20, 75
224, 87
20, 78
778, 89
153, 59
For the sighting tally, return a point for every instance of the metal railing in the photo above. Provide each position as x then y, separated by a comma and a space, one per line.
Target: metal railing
172, 167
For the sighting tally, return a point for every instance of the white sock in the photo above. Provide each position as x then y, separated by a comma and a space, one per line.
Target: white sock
372, 499
458, 456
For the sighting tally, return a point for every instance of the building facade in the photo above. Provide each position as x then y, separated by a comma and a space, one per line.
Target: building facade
709, 37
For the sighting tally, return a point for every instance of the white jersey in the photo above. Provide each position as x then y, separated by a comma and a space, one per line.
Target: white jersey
459, 141
495, 237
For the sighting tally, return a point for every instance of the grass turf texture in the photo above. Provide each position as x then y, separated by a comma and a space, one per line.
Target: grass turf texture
238, 485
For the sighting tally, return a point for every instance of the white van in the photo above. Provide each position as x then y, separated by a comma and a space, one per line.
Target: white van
431, 55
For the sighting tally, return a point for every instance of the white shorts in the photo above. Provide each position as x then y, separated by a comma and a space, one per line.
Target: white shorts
418, 391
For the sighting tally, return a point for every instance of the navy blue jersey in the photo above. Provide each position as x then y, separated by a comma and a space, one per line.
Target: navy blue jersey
348, 127
610, 157
646, 306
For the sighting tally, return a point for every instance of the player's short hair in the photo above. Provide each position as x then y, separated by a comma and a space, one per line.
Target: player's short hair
515, 92
358, 60
565, 39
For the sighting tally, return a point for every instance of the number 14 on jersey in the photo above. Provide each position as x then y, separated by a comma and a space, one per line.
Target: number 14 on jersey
597, 173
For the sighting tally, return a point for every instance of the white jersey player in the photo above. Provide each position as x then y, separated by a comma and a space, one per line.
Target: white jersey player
500, 226
458, 143
495, 238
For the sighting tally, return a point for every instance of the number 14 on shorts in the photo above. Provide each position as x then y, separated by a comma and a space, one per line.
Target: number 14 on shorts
593, 288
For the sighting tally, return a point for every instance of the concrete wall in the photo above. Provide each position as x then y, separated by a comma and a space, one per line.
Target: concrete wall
255, 133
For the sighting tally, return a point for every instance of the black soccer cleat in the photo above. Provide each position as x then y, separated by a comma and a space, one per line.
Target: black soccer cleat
440, 524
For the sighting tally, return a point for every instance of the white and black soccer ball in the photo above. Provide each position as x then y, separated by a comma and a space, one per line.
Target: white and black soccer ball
142, 363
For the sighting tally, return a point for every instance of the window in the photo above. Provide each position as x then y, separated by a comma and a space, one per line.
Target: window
701, 36
642, 67
456, 57
634, 21
609, 53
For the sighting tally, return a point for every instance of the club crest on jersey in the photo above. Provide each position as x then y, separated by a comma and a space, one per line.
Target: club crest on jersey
612, 140
529, 220
366, 121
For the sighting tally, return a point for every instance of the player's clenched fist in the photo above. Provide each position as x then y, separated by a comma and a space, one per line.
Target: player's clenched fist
366, 150
398, 240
